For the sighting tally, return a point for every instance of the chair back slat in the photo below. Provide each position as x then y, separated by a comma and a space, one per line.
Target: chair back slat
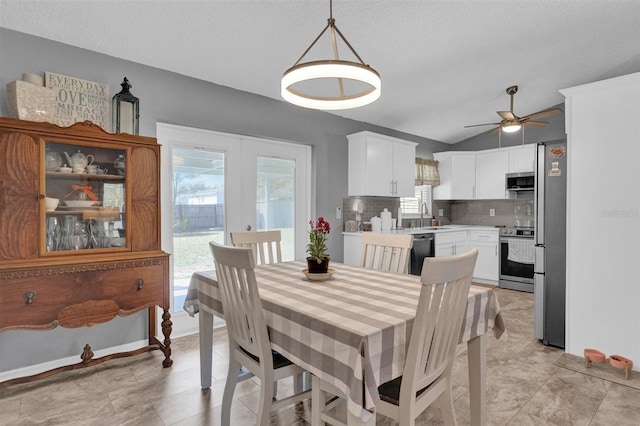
265, 245
436, 329
386, 252
241, 303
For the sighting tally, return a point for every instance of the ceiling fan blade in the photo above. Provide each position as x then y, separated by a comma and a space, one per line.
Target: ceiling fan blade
537, 124
507, 115
542, 114
486, 124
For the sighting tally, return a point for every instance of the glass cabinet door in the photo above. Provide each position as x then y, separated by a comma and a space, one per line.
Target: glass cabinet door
84, 197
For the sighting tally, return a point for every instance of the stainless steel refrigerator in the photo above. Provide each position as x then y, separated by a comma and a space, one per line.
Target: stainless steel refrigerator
550, 242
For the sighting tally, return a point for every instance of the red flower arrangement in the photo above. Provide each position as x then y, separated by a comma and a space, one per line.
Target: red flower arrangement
317, 247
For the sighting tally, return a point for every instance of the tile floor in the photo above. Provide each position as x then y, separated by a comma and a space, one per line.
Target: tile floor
527, 384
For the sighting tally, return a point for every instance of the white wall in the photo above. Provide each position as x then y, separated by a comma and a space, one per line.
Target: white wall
603, 232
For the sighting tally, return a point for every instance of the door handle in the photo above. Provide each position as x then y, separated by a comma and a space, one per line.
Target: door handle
248, 227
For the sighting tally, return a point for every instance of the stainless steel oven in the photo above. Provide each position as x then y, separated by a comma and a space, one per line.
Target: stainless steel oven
517, 258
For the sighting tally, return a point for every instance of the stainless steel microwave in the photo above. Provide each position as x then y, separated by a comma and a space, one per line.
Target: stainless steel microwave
524, 181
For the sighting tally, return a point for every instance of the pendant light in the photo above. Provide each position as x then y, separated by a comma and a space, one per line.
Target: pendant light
358, 75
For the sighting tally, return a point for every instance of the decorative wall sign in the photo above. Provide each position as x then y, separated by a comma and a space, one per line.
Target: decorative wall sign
79, 100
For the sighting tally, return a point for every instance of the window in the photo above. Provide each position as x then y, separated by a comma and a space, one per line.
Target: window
411, 205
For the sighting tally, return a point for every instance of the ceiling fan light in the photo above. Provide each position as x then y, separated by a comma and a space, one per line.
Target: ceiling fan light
331, 69
511, 127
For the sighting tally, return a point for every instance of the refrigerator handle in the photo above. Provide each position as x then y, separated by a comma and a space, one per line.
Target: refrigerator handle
538, 194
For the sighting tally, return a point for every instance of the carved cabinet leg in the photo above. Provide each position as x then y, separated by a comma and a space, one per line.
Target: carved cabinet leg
166, 330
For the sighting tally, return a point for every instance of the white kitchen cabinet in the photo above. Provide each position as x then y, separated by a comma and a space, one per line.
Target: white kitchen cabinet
352, 248
491, 167
522, 158
381, 166
404, 167
451, 243
487, 264
480, 175
457, 176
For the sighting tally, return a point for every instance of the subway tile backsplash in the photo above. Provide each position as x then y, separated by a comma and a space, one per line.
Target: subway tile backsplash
463, 212
371, 206
477, 212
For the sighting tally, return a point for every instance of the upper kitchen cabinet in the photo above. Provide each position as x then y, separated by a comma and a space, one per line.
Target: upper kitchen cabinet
480, 175
491, 167
522, 158
457, 176
381, 165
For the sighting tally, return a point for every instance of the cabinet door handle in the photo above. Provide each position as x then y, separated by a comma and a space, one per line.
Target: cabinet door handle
395, 191
139, 284
29, 296
391, 187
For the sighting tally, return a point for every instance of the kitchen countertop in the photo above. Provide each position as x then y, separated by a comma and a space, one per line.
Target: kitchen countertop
433, 230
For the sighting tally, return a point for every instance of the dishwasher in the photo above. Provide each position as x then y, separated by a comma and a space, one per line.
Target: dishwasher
423, 246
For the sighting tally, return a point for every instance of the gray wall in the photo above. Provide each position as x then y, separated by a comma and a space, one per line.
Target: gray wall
173, 98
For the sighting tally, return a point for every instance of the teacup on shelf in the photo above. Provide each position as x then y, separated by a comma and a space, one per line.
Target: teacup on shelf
65, 169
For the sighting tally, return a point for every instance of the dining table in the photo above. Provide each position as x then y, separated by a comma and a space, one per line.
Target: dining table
351, 330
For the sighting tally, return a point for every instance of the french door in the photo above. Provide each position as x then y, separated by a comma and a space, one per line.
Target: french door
214, 183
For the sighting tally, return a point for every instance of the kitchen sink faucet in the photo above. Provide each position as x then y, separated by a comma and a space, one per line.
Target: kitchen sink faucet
423, 210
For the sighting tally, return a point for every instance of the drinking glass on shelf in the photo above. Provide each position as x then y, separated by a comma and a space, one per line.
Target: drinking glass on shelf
53, 233
80, 236
68, 228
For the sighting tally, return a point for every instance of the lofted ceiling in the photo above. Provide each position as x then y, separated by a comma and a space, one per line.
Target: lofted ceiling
444, 64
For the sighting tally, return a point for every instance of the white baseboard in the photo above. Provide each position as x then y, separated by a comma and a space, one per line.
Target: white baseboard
50, 365
487, 282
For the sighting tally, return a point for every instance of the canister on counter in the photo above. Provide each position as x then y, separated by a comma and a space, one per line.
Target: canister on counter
376, 224
385, 220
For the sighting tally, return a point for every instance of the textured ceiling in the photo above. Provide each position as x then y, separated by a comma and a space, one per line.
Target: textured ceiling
444, 64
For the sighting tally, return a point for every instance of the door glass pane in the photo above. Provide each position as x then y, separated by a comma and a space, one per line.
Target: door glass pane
85, 207
198, 212
275, 200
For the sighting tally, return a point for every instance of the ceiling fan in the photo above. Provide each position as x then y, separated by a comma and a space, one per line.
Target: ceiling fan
512, 123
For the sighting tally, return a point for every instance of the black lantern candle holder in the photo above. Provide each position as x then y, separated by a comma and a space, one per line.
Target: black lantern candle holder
125, 110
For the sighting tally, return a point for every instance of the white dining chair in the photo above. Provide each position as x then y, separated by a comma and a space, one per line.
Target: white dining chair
432, 347
264, 244
386, 252
249, 344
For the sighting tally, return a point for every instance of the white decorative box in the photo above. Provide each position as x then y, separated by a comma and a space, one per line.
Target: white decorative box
28, 100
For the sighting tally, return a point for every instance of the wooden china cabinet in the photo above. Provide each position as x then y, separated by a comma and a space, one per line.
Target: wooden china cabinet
97, 253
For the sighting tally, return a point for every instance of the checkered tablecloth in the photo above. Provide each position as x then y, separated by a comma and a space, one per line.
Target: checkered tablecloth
352, 330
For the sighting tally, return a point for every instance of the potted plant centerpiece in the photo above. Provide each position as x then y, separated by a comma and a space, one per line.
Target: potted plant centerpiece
318, 260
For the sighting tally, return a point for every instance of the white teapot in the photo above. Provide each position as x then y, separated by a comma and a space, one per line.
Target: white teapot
79, 160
